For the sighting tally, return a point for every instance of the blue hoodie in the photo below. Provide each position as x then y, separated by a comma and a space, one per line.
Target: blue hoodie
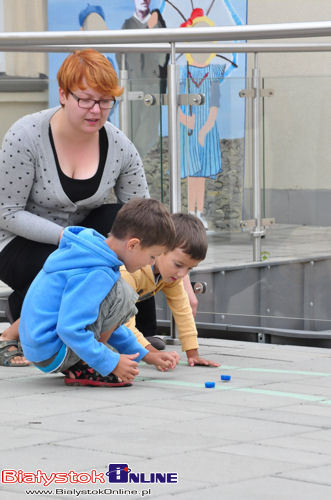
64, 299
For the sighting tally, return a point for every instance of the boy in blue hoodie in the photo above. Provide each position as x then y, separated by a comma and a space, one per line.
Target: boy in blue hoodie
78, 302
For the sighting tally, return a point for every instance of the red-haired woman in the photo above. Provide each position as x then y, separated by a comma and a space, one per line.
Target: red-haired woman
59, 168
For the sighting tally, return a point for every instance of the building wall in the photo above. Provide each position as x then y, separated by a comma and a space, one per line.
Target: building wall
21, 15
25, 15
297, 119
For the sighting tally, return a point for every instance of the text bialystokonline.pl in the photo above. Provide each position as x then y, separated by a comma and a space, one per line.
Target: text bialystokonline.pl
99, 491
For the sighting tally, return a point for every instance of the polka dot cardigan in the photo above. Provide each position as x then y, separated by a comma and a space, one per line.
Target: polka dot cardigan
32, 202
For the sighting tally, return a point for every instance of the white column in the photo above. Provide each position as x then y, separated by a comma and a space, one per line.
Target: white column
2, 55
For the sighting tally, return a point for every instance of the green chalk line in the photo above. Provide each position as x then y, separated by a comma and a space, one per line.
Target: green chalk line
270, 370
227, 387
288, 372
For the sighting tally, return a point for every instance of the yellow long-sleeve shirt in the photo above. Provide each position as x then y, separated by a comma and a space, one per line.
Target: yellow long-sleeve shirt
143, 283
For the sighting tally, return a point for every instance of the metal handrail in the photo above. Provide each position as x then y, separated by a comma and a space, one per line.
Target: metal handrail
181, 48
170, 35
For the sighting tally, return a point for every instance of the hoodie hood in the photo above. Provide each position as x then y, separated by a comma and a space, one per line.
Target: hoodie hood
81, 247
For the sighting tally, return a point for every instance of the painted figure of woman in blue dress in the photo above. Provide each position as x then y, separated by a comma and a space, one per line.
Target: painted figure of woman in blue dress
199, 133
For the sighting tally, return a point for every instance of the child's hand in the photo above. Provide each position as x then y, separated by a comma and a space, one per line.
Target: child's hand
174, 360
193, 359
163, 361
127, 369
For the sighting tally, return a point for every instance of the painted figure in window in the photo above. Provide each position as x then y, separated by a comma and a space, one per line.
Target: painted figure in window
199, 133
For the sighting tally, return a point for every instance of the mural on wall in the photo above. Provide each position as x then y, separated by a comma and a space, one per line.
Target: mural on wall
199, 133
211, 135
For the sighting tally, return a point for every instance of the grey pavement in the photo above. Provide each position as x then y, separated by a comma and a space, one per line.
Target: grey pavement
266, 434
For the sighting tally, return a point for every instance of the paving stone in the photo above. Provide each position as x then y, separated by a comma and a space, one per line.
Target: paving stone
260, 489
266, 434
263, 451
315, 475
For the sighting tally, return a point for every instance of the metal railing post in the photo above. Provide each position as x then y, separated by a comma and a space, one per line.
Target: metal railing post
258, 230
175, 187
175, 194
124, 102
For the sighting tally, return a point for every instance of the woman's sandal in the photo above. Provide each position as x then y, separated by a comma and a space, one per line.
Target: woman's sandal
84, 375
6, 356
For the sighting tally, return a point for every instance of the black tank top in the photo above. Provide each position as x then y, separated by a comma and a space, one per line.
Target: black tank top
80, 189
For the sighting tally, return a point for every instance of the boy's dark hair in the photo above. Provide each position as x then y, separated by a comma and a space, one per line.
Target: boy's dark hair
191, 235
146, 219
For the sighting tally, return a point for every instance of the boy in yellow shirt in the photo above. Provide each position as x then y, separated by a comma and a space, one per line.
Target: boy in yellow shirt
167, 275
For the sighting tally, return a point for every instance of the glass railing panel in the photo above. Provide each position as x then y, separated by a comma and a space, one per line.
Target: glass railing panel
290, 287
285, 296
221, 186
147, 119
296, 151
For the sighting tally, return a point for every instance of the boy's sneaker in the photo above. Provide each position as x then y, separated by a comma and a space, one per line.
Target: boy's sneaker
84, 375
156, 342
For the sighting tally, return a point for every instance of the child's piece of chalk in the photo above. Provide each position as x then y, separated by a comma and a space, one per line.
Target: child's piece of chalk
225, 377
209, 385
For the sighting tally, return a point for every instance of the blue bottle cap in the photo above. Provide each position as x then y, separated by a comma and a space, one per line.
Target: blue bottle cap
225, 377
209, 385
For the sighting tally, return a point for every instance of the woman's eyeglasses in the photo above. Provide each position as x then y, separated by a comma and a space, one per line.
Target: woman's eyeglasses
89, 103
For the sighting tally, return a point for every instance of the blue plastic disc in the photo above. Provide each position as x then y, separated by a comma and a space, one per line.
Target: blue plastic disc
209, 385
225, 377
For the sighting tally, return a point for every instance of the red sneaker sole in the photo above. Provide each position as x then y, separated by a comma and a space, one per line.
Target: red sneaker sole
95, 383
